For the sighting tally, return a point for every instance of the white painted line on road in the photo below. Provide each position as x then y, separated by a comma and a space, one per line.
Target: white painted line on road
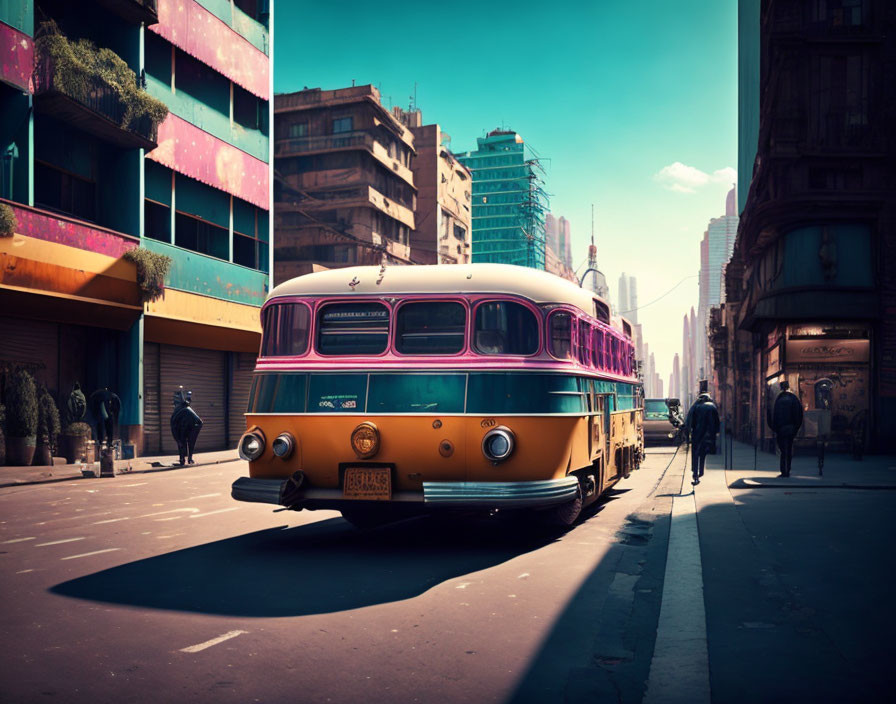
18, 540
201, 496
125, 486
212, 513
679, 671
24, 571
173, 510
173, 535
463, 585
112, 520
58, 542
213, 641
88, 554
170, 518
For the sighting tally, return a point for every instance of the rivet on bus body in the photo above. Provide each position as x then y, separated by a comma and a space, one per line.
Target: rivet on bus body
437, 424
446, 449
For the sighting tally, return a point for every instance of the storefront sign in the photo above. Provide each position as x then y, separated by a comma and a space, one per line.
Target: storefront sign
774, 361
828, 351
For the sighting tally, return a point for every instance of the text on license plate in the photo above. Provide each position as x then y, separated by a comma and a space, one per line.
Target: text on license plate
372, 483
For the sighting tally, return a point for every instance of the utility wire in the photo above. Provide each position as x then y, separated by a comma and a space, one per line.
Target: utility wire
632, 310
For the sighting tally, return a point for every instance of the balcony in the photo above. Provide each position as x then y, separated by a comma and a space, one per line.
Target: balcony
135, 11
70, 84
328, 143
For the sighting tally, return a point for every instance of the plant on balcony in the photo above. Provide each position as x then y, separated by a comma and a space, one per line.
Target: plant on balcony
21, 423
8, 223
152, 268
81, 71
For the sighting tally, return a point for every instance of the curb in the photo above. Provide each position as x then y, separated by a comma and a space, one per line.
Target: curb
148, 470
753, 484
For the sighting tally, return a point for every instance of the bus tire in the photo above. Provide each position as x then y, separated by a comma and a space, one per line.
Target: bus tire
564, 515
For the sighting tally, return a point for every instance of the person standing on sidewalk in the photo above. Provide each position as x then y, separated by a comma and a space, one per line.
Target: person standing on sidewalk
701, 427
785, 421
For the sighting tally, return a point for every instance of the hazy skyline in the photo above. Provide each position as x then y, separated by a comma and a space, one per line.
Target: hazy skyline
633, 107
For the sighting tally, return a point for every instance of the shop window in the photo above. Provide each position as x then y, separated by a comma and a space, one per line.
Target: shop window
430, 327
200, 236
157, 221
504, 327
64, 192
342, 124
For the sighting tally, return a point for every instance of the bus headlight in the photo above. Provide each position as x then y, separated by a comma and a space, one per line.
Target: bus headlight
498, 444
283, 445
251, 445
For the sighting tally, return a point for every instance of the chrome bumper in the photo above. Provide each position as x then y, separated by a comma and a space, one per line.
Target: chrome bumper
500, 494
435, 494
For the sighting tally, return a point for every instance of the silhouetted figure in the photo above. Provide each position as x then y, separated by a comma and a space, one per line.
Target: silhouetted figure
185, 424
701, 427
75, 405
105, 407
785, 421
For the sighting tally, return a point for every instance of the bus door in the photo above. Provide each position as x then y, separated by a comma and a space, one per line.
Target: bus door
602, 426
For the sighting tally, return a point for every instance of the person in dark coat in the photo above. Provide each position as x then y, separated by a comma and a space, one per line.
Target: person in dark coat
185, 424
701, 427
785, 421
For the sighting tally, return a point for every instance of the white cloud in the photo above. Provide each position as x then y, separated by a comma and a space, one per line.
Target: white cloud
682, 178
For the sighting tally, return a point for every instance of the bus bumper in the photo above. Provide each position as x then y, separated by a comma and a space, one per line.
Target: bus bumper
548, 492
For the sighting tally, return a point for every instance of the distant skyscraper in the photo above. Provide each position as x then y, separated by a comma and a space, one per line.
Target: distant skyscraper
553, 257
622, 303
686, 380
675, 379
633, 299
565, 241
715, 251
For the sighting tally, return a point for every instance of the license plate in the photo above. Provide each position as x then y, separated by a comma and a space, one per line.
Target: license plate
370, 483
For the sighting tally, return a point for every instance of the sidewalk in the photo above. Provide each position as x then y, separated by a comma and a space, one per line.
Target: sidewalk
20, 476
840, 470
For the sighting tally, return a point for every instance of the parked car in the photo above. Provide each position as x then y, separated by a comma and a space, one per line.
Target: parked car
662, 421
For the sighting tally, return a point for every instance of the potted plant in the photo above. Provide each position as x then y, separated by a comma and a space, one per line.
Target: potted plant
21, 421
48, 427
2, 435
74, 437
8, 222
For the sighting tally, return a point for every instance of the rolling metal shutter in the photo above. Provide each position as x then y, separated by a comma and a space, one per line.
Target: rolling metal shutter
35, 345
152, 424
204, 373
241, 380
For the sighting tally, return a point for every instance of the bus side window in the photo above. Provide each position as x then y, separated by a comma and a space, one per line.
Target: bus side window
505, 327
561, 335
285, 331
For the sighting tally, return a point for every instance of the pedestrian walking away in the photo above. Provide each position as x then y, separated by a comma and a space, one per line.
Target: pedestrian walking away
701, 427
785, 420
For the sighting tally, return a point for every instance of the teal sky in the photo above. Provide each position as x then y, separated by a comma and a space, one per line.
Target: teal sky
633, 106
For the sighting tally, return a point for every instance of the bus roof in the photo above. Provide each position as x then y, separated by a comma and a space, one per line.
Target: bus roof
538, 286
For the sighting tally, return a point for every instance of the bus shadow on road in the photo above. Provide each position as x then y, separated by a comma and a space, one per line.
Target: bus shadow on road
316, 568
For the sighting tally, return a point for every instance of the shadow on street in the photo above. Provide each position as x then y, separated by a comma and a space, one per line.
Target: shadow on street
317, 568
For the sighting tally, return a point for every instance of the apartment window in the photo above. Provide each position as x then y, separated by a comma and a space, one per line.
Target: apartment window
298, 129
460, 233
247, 109
202, 83
200, 236
342, 124
65, 192
157, 220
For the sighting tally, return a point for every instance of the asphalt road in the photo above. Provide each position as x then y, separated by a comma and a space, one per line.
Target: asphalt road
158, 587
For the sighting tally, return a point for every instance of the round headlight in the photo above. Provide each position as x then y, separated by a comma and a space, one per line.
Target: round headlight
251, 446
366, 440
498, 443
283, 445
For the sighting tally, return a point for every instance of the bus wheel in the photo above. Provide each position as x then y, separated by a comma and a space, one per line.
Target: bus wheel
564, 515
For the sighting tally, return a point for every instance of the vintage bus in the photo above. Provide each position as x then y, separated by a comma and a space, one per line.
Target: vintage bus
385, 392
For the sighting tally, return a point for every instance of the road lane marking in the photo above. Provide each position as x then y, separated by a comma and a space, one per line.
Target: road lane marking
173, 535
212, 513
170, 518
125, 486
58, 542
112, 520
173, 510
18, 540
201, 496
24, 571
463, 585
88, 554
679, 671
213, 641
